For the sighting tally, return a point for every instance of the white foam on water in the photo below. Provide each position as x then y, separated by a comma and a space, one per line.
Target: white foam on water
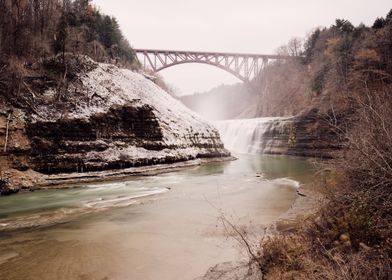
122, 200
287, 182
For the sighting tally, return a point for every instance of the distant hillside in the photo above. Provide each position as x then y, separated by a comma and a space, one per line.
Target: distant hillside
283, 91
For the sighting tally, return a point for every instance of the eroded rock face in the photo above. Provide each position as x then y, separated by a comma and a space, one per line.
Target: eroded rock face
106, 118
5, 189
309, 135
14, 143
79, 145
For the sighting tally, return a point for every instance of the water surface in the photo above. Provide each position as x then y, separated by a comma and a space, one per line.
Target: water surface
160, 227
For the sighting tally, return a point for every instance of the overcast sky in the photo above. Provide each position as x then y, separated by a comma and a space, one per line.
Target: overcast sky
255, 26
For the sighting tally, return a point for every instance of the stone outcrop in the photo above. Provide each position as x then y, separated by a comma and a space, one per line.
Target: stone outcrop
309, 135
5, 189
105, 118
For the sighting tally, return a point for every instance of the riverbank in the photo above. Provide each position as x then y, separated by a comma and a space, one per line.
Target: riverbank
79, 180
307, 202
69, 180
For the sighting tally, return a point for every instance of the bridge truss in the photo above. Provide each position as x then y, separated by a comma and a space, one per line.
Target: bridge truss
245, 67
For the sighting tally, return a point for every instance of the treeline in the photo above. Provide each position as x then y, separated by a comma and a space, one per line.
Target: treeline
349, 78
334, 62
37, 29
344, 57
331, 63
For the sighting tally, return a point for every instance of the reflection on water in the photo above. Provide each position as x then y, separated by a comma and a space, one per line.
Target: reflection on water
161, 234
120, 193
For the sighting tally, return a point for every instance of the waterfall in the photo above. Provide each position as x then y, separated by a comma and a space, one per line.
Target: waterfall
251, 135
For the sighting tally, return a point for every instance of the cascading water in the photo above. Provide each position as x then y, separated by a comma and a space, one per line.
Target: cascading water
251, 135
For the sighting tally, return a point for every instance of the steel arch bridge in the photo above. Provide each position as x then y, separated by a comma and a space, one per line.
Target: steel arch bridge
245, 67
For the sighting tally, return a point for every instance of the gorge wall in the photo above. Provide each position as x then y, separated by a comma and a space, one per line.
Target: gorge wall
106, 118
309, 135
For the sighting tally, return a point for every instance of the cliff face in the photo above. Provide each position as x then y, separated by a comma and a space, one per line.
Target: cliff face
106, 118
307, 135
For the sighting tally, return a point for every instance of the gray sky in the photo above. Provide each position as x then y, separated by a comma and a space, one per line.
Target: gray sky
255, 26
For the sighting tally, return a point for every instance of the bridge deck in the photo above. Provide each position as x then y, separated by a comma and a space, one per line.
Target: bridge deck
245, 66
268, 56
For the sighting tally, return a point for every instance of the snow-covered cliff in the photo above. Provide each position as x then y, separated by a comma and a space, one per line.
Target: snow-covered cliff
107, 118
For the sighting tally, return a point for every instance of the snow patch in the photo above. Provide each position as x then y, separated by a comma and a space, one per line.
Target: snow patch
184, 132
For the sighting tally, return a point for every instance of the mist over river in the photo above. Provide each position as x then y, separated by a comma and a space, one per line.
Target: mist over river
161, 234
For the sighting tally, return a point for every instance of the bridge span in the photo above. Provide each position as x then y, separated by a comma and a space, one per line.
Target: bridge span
245, 67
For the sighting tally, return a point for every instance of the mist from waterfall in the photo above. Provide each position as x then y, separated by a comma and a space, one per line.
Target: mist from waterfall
249, 135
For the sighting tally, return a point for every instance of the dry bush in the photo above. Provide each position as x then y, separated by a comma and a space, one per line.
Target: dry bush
12, 73
336, 266
369, 157
159, 81
284, 252
343, 242
350, 237
360, 209
365, 201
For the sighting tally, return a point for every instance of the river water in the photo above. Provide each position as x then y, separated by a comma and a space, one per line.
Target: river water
161, 227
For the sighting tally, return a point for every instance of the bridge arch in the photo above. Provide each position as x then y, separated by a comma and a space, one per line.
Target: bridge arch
205, 63
243, 66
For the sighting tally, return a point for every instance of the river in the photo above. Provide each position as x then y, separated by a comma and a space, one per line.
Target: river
161, 227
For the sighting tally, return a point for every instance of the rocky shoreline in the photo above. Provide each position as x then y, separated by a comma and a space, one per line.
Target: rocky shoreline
70, 180
75, 180
307, 202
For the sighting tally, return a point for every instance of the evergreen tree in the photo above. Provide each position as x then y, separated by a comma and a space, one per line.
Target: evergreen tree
61, 36
310, 44
388, 19
379, 23
343, 26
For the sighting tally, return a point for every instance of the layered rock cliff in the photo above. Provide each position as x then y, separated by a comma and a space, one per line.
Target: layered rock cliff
105, 118
309, 135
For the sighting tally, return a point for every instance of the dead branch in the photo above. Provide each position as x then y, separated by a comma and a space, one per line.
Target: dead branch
30, 90
7, 132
